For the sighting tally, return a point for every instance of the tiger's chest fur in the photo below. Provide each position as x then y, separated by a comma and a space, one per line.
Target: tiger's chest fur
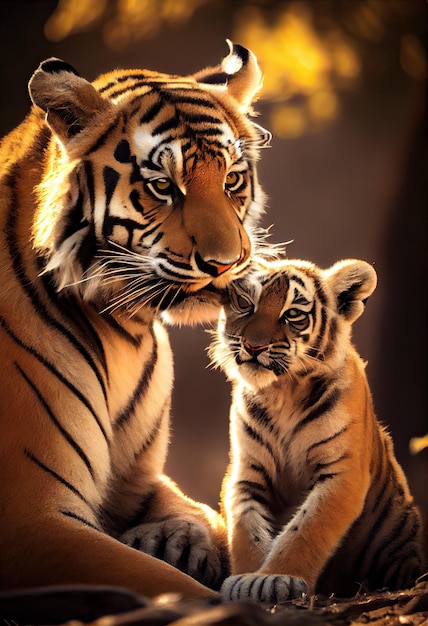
314, 492
100, 395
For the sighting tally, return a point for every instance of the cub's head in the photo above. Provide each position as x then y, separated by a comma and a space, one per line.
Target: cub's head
150, 195
287, 317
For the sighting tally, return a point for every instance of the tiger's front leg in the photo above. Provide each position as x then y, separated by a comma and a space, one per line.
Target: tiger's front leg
300, 551
251, 540
186, 534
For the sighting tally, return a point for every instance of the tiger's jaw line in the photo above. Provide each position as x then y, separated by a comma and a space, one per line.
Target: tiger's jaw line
137, 286
199, 307
200, 302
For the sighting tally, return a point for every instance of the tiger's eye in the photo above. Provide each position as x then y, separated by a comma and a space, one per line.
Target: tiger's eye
233, 181
244, 303
163, 185
161, 188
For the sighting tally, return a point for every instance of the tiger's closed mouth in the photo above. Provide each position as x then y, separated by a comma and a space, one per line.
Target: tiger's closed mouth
177, 296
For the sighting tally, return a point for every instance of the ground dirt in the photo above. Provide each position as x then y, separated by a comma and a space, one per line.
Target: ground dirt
104, 606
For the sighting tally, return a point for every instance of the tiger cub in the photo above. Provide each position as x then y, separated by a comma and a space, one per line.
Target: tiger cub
314, 498
122, 201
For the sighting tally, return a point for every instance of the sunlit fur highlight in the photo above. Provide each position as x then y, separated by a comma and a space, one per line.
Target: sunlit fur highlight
314, 498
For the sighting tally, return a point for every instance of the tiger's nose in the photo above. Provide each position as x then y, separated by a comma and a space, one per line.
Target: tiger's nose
212, 267
254, 350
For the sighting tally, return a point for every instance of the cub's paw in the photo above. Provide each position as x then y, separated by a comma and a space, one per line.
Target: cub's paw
184, 544
271, 589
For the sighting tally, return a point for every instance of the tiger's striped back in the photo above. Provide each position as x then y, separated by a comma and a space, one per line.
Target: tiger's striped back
314, 498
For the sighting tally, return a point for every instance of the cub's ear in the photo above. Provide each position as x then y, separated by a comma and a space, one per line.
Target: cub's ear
352, 282
70, 101
241, 74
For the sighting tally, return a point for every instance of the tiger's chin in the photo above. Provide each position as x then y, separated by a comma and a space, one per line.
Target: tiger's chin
199, 307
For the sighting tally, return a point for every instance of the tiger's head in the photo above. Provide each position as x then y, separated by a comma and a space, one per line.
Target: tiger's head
289, 317
150, 198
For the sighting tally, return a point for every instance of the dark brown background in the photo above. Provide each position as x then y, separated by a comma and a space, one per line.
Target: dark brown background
354, 188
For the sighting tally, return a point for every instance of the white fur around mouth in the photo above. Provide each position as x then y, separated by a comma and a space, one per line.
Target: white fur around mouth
256, 374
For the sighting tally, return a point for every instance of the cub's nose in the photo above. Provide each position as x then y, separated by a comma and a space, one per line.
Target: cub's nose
254, 350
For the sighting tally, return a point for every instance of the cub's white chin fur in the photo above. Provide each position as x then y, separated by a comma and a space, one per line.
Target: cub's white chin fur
255, 378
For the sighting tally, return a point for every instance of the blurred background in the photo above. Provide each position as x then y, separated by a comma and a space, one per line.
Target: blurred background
344, 96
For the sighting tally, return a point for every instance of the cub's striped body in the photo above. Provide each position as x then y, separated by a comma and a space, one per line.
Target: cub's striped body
119, 200
314, 498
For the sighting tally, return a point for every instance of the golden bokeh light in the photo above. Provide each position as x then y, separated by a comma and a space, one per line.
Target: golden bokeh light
305, 65
288, 121
288, 50
412, 57
323, 105
138, 19
365, 20
72, 16
128, 21
297, 61
417, 444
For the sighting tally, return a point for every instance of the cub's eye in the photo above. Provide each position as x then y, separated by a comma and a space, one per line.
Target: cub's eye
234, 181
297, 318
293, 314
241, 303
161, 187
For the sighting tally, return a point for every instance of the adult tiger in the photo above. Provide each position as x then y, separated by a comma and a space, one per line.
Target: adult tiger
121, 199
315, 499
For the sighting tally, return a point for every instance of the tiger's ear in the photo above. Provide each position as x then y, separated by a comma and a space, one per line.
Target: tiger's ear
239, 71
70, 101
264, 135
352, 282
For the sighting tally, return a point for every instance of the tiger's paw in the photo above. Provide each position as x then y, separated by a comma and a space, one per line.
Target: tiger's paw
272, 589
186, 545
